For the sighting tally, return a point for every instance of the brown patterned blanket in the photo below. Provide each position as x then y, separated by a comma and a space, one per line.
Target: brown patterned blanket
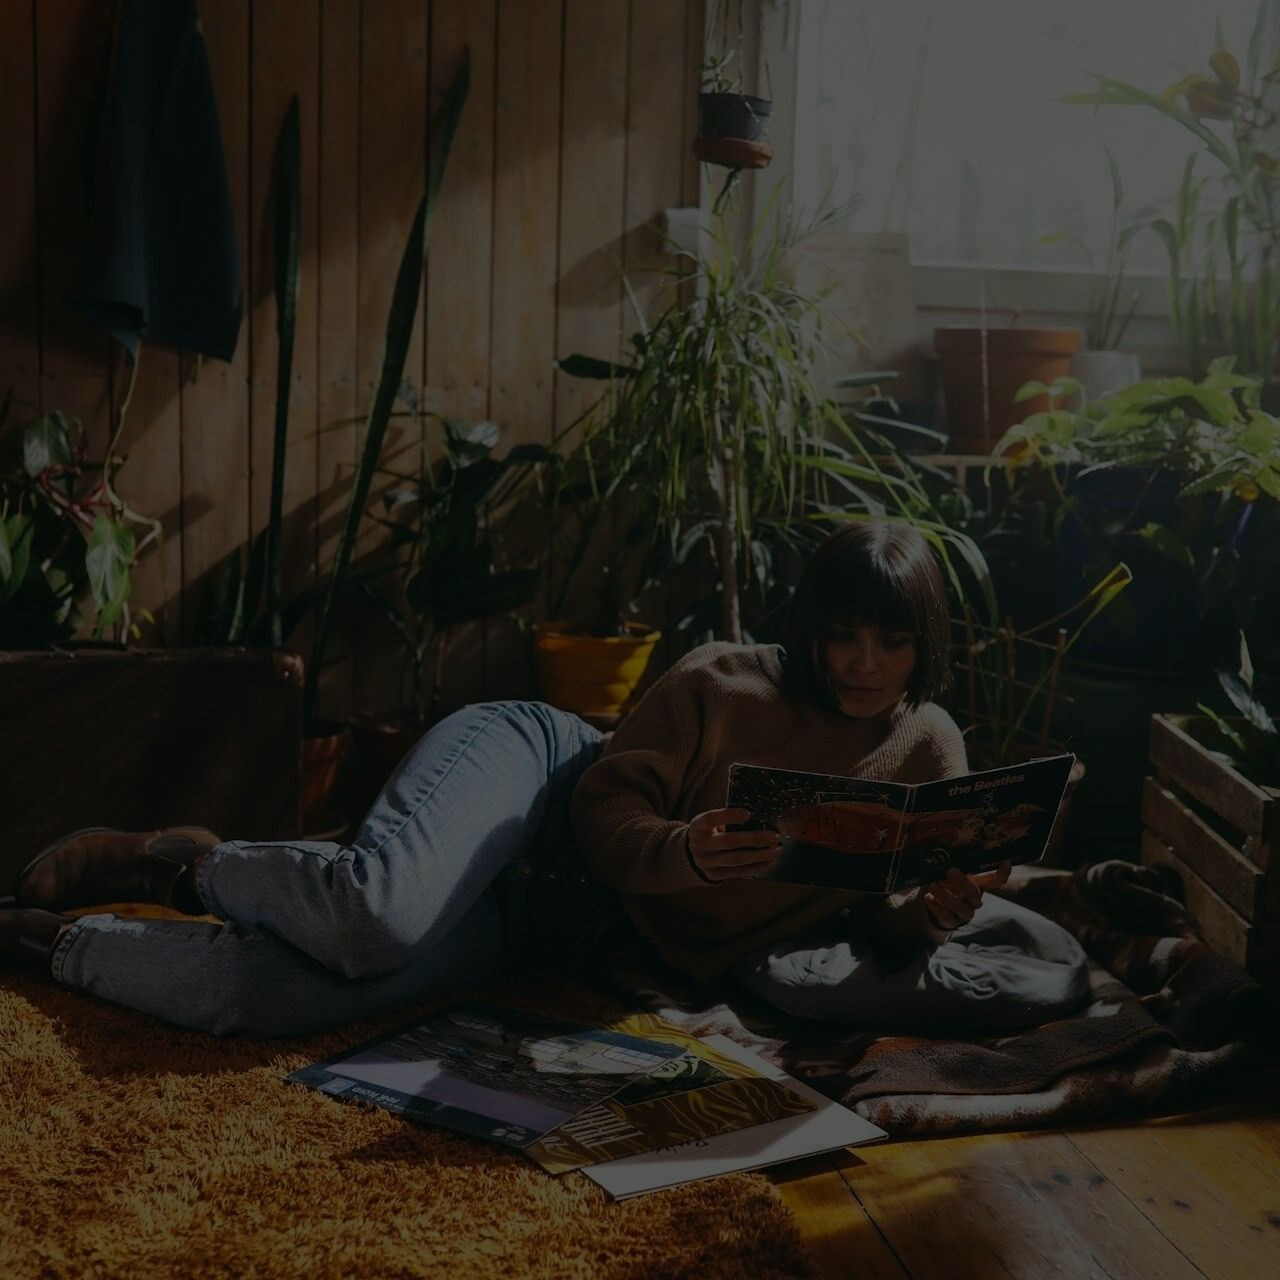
1168, 1026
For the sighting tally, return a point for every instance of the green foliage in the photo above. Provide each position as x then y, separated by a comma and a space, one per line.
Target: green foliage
65, 540
448, 562
288, 241
1223, 229
1211, 432
1211, 435
715, 451
400, 320
1250, 740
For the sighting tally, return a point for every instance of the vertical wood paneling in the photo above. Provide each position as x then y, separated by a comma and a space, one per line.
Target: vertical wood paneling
594, 150
393, 108
338, 232
215, 400
575, 138
459, 259
525, 234
459, 269
655, 139
75, 357
286, 61
19, 244
151, 482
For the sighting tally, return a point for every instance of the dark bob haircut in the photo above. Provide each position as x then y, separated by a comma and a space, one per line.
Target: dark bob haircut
878, 575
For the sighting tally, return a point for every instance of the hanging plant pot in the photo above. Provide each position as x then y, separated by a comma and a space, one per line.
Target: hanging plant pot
733, 130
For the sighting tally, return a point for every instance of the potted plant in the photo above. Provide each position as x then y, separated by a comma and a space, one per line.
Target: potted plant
733, 126
447, 563
1101, 367
1237, 228
1178, 478
1212, 815
716, 454
1009, 687
66, 539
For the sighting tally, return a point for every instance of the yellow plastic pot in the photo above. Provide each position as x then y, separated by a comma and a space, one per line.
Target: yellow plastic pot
592, 675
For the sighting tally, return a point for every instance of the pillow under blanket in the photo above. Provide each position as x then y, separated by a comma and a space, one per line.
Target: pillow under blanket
1168, 1025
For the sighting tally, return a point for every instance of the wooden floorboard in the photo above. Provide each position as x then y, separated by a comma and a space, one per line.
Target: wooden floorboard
838, 1231
1175, 1198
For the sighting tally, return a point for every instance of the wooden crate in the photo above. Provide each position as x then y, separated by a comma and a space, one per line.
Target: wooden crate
1221, 834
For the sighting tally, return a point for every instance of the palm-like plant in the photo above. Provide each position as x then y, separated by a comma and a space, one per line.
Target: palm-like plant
720, 429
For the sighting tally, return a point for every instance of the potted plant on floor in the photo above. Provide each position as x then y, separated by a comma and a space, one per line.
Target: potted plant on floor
714, 451
1178, 478
66, 539
1211, 813
448, 563
1009, 688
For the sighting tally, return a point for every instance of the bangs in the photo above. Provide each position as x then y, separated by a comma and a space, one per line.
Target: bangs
869, 574
880, 601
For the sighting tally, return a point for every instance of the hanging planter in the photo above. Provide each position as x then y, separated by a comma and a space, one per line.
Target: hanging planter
732, 131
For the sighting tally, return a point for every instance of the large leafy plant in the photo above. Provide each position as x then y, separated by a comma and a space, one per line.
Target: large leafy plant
447, 562
1210, 438
1224, 226
715, 446
1251, 742
66, 539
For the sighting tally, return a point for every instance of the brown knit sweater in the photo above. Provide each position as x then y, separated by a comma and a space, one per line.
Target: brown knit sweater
669, 761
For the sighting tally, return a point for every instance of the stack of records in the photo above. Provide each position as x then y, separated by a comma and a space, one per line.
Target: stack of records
637, 1105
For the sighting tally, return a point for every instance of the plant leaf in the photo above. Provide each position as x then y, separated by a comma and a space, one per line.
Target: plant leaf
400, 320
107, 558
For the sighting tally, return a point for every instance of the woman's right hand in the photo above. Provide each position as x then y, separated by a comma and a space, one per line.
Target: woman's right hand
718, 854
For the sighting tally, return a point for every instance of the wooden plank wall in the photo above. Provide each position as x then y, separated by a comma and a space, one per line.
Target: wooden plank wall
577, 135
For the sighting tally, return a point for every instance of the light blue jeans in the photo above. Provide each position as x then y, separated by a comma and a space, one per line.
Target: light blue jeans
433, 894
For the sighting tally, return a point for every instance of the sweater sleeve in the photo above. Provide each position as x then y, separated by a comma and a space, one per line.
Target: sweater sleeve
901, 921
623, 805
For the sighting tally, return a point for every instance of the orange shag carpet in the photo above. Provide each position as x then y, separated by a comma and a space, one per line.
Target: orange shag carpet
130, 1147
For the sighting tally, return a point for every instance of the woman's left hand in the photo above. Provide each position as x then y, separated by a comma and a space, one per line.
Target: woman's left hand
952, 902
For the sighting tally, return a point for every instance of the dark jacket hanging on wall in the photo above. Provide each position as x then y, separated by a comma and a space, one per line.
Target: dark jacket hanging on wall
158, 260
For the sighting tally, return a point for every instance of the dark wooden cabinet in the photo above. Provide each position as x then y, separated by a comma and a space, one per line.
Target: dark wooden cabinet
147, 738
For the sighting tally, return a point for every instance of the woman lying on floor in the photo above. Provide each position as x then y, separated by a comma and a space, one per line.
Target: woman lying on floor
473, 829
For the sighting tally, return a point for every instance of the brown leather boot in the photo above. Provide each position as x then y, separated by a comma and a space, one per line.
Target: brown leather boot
27, 938
99, 865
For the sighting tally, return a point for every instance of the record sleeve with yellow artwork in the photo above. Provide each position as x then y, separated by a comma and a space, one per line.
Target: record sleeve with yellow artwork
700, 1094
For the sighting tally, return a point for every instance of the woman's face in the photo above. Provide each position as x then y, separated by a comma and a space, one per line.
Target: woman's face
869, 667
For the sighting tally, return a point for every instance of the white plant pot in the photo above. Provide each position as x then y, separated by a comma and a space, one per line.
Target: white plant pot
1104, 373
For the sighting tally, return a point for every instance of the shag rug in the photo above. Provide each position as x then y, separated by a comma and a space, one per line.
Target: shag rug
1169, 1025
132, 1148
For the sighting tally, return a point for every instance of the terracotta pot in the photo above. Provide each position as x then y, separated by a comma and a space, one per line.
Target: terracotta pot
592, 675
379, 742
324, 750
980, 407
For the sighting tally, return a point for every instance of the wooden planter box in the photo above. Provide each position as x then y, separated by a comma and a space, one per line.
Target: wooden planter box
147, 738
1221, 833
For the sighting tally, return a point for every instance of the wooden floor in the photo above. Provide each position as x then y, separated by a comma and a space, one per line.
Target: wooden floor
1174, 1198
